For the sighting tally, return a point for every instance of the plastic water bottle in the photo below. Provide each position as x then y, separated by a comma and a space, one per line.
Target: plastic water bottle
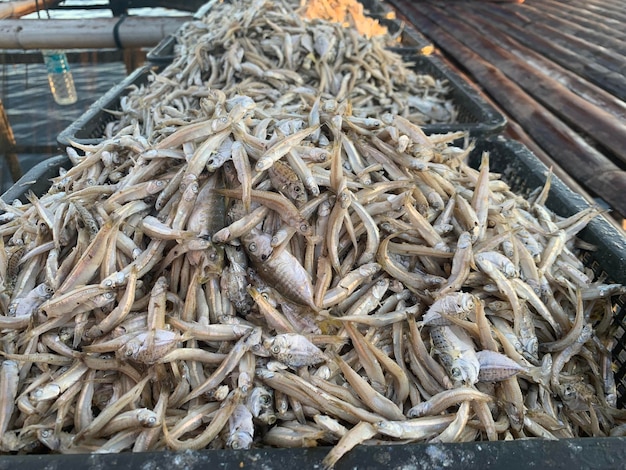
59, 76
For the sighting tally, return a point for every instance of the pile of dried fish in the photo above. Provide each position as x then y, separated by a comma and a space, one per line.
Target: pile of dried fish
279, 59
226, 272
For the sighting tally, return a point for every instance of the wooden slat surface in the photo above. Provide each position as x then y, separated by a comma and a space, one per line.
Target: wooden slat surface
551, 14
585, 42
602, 8
557, 68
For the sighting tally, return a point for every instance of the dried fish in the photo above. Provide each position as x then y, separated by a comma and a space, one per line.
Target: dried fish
267, 249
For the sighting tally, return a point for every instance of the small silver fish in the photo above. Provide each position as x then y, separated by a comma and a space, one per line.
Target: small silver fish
294, 350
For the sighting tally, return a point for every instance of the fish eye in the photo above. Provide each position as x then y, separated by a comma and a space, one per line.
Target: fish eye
234, 445
265, 295
304, 227
252, 247
297, 189
213, 256
275, 349
456, 373
263, 257
265, 400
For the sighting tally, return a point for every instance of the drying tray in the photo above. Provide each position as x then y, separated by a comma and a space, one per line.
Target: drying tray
524, 172
475, 114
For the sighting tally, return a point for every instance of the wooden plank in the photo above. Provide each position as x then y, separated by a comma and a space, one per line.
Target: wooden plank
616, 4
614, 83
586, 50
614, 10
87, 33
571, 26
586, 164
584, 12
582, 115
556, 8
577, 54
586, 90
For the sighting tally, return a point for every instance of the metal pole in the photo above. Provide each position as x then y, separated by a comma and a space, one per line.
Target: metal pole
87, 33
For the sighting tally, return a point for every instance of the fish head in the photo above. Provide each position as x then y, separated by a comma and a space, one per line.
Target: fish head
148, 418
259, 400
575, 395
214, 259
258, 245
239, 440
277, 345
117, 279
130, 350
465, 371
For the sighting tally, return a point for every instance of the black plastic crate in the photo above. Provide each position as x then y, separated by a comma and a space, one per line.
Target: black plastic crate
89, 128
164, 52
37, 179
475, 114
567, 454
524, 173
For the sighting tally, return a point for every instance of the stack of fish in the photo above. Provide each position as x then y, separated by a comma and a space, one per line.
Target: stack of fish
266, 250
